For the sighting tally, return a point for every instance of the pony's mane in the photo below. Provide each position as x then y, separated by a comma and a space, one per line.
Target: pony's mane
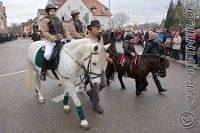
166, 61
147, 55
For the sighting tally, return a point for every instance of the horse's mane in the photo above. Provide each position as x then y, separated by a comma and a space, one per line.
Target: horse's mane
81, 43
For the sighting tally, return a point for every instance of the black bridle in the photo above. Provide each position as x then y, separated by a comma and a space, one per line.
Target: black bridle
86, 76
160, 70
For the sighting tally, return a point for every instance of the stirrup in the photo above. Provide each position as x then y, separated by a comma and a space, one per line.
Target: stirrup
43, 76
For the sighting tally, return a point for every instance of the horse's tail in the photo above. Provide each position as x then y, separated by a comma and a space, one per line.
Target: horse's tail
29, 77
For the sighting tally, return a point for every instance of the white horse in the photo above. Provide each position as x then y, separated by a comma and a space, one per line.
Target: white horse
78, 58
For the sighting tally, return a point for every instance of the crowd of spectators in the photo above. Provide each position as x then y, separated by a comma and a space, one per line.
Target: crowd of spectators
5, 37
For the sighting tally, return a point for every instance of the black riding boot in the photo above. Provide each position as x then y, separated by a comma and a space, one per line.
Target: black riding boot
94, 98
44, 69
160, 88
158, 84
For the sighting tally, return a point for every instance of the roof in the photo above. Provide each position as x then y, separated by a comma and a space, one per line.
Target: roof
42, 12
101, 10
58, 2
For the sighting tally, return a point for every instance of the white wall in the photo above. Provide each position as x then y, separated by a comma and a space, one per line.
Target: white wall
104, 20
39, 20
65, 10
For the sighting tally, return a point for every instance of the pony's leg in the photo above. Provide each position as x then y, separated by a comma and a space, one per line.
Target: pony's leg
38, 87
84, 123
138, 87
121, 81
145, 84
65, 102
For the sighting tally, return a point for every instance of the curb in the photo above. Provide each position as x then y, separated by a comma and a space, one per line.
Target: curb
182, 62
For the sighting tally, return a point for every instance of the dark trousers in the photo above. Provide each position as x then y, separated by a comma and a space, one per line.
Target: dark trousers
176, 54
96, 88
156, 80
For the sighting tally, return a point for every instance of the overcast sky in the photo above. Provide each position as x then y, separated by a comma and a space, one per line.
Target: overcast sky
140, 11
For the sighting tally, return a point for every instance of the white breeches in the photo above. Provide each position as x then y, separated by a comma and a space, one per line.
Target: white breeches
48, 49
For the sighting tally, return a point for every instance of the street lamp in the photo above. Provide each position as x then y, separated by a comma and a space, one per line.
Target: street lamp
109, 17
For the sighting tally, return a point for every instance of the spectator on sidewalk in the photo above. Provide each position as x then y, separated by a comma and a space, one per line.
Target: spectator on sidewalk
176, 45
197, 48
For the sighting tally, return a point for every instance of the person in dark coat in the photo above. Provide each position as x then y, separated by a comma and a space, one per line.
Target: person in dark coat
152, 48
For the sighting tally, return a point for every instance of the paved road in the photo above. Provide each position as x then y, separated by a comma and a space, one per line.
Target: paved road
20, 111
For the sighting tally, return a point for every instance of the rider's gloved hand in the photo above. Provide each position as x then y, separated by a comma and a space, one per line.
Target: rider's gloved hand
57, 41
133, 54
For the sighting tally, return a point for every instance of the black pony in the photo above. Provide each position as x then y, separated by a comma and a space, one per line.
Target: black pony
139, 72
35, 36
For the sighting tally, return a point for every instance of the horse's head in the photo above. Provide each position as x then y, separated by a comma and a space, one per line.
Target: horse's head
95, 62
162, 65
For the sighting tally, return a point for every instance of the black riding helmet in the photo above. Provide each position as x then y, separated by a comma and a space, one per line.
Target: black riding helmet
74, 13
50, 6
129, 36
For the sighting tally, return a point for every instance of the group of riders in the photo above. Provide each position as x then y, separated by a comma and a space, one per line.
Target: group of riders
55, 33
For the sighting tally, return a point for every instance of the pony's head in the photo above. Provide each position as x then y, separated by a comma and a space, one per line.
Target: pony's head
162, 65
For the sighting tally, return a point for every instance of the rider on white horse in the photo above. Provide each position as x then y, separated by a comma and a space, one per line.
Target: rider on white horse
53, 31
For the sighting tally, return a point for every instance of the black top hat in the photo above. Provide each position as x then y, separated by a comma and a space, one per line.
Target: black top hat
94, 23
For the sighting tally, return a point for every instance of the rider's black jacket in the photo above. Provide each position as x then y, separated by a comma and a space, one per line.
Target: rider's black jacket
151, 48
128, 48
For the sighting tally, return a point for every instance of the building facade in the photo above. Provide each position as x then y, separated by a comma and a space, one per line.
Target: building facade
89, 10
3, 18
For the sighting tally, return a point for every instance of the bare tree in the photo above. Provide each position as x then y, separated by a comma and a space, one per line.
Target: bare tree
120, 19
15, 28
194, 3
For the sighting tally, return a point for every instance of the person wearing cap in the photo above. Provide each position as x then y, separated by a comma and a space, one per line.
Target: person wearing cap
152, 48
94, 30
53, 31
129, 50
76, 25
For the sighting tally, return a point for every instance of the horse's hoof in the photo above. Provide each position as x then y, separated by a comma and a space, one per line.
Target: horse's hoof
123, 88
67, 108
42, 100
36, 91
85, 125
145, 89
59, 84
138, 93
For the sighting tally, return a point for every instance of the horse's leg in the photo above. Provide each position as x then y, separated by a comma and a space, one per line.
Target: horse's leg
145, 84
138, 86
84, 123
38, 87
121, 81
65, 102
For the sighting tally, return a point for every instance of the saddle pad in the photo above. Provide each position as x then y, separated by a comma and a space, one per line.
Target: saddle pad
54, 60
123, 59
39, 57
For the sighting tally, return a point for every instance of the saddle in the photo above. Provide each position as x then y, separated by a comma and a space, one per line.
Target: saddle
54, 60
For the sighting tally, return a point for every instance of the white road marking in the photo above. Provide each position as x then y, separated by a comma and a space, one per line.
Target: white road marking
58, 98
10, 74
